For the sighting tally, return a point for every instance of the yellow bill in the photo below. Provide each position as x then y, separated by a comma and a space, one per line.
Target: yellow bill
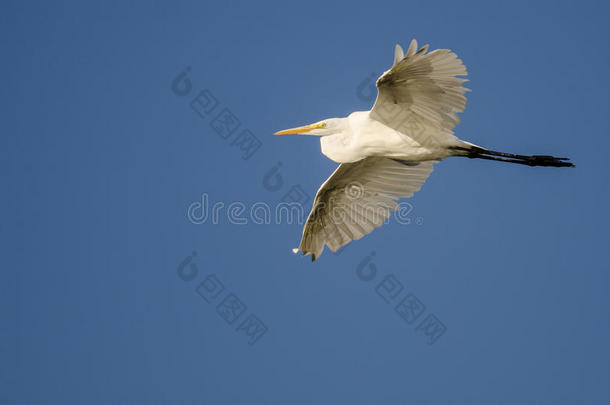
300, 130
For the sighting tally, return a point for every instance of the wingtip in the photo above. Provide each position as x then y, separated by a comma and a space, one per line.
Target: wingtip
412, 48
399, 54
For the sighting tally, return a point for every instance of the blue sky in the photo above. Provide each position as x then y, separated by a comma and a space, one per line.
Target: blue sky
102, 302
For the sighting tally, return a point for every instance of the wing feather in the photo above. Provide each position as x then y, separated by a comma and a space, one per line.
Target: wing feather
357, 198
421, 90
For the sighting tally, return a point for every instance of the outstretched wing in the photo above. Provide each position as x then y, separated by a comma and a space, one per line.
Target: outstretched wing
357, 198
421, 91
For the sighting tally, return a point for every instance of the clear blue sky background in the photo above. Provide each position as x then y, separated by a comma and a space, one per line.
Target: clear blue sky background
100, 159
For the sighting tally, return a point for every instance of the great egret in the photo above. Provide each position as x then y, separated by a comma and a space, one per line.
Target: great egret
387, 153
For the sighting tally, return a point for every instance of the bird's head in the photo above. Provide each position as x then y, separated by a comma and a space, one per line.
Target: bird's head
328, 126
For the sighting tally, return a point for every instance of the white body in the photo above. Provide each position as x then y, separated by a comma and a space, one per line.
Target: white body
364, 136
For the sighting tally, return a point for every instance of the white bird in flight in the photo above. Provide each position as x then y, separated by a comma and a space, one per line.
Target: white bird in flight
387, 153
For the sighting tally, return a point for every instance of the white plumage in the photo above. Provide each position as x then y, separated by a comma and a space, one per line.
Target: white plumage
387, 153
